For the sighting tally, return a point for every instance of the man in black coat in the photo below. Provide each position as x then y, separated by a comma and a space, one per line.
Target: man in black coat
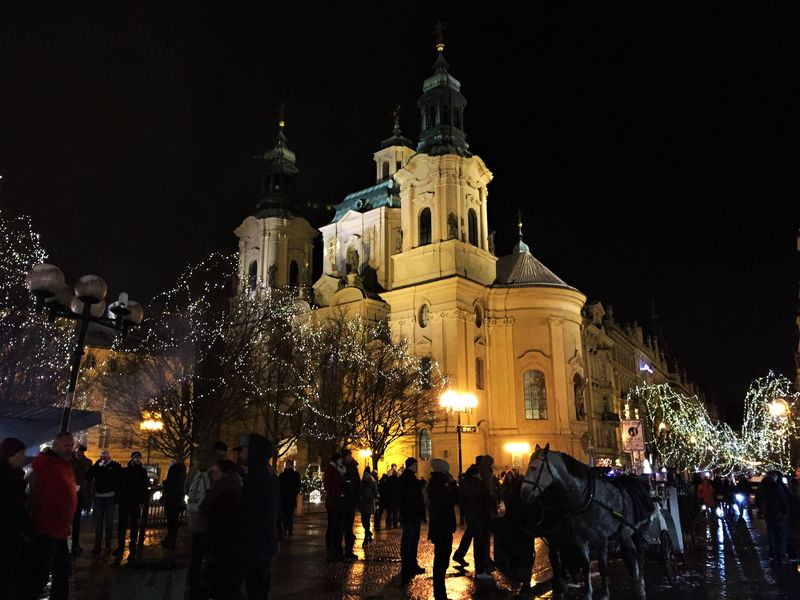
412, 513
131, 496
104, 477
443, 495
351, 483
466, 539
290, 488
80, 467
256, 540
775, 502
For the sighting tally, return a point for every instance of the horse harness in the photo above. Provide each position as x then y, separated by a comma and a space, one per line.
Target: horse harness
589, 493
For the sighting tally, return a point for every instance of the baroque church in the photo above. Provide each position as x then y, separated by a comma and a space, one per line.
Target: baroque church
415, 247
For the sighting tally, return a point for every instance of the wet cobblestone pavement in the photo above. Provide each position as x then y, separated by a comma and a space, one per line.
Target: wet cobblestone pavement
727, 560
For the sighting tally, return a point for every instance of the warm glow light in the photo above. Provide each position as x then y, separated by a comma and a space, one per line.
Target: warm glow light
517, 448
458, 401
692, 440
778, 408
662, 426
365, 453
151, 421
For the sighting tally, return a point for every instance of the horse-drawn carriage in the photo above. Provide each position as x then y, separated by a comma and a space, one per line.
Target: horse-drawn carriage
601, 512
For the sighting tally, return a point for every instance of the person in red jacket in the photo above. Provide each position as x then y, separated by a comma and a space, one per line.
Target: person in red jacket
333, 482
53, 504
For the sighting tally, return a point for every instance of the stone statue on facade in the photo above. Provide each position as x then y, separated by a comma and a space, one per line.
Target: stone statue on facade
491, 242
351, 262
452, 227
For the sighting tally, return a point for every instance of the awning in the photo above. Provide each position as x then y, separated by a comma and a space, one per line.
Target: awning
35, 425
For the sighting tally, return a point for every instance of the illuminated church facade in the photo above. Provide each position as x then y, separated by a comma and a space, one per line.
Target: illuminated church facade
415, 247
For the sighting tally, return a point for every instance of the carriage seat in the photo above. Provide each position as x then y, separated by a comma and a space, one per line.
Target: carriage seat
639, 494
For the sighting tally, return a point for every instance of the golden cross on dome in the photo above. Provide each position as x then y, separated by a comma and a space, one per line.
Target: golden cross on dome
438, 31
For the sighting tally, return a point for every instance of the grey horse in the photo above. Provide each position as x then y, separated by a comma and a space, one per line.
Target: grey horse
598, 511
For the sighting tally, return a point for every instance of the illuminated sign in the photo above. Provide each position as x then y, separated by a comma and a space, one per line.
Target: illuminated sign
469, 428
643, 366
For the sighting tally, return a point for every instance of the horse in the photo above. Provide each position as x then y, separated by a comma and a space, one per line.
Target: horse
515, 534
597, 511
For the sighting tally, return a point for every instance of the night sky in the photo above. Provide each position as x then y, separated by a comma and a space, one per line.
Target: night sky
654, 150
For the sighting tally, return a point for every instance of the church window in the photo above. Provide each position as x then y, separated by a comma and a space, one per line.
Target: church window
446, 115
399, 165
425, 446
294, 274
252, 275
424, 315
479, 373
425, 227
535, 395
385, 169
472, 219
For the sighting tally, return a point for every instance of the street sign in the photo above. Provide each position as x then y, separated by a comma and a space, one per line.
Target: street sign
469, 428
632, 436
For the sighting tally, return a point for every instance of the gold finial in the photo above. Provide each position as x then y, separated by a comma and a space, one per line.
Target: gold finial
282, 116
438, 32
519, 222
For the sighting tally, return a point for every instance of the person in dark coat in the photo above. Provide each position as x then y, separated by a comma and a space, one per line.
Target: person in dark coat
443, 495
290, 489
174, 501
332, 482
478, 506
14, 521
256, 540
351, 483
412, 513
220, 509
392, 499
775, 503
53, 502
104, 478
466, 539
131, 496
367, 496
80, 468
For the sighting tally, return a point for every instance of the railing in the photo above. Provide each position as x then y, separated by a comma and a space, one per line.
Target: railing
154, 516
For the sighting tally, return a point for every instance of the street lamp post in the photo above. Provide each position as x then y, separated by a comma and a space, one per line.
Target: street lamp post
151, 423
84, 304
458, 402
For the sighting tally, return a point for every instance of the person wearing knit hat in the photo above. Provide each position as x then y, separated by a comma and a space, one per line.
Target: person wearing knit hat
412, 513
14, 510
443, 495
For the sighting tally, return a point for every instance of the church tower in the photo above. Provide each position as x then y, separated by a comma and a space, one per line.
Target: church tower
275, 242
443, 193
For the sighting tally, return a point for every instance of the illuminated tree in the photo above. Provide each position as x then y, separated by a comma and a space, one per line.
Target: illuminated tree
34, 353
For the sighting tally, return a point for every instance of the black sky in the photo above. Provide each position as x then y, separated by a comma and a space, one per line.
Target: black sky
652, 148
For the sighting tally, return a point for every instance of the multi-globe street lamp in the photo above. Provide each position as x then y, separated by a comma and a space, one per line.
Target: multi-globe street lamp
458, 402
85, 303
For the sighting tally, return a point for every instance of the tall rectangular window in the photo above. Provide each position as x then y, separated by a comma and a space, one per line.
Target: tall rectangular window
535, 395
479, 373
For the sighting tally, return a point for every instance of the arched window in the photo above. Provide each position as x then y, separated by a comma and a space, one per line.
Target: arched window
580, 403
535, 395
425, 446
252, 275
425, 227
479, 373
472, 219
294, 274
386, 169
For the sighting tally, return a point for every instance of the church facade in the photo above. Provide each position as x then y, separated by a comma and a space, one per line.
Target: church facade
415, 247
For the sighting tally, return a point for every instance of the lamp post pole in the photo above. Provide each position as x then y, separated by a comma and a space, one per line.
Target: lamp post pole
458, 428
77, 354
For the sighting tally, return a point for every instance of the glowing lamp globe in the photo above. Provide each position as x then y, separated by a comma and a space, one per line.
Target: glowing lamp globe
91, 289
45, 280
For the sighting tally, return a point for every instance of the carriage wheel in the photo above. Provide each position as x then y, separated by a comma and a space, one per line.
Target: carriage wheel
668, 559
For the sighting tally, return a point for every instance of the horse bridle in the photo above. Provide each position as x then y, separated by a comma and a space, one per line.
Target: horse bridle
589, 492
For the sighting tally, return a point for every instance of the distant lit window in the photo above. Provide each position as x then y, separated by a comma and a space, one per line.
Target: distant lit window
425, 445
535, 395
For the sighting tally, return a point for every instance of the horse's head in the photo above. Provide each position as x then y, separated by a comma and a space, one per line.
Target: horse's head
539, 475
